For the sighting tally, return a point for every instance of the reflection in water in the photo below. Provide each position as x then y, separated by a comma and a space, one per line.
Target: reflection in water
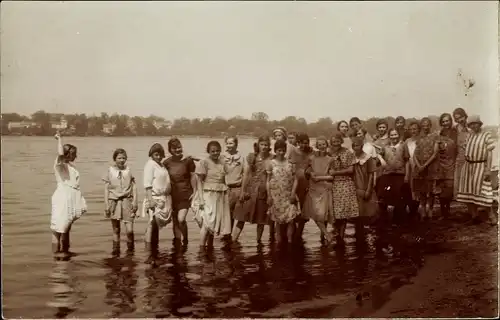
121, 284
64, 287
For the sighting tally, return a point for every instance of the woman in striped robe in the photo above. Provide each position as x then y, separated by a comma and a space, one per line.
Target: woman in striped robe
474, 188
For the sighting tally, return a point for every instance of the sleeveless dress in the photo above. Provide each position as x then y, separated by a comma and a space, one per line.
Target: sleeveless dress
68, 203
280, 188
319, 203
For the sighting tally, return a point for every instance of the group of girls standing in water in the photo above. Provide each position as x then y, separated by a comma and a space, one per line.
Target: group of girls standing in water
351, 177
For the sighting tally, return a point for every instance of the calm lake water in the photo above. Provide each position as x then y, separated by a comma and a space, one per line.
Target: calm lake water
252, 281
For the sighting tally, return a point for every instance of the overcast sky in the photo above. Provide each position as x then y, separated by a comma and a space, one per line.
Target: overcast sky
202, 59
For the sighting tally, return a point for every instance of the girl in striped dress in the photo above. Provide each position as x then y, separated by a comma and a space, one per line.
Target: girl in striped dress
474, 188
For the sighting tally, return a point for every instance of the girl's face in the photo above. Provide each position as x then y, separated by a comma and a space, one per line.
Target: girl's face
414, 130
446, 122
400, 124
177, 150
343, 127
382, 129
355, 126
322, 145
360, 134
280, 153
278, 135
230, 145
292, 139
156, 157
304, 145
476, 127
394, 136
214, 152
460, 119
71, 155
357, 148
336, 143
426, 127
120, 160
264, 147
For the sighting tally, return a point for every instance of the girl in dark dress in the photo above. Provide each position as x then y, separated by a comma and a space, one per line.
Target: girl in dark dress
252, 205
446, 157
301, 158
183, 180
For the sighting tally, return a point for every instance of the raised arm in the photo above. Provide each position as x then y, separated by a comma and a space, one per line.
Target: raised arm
60, 149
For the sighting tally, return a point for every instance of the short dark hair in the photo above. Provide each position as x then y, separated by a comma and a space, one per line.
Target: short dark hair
280, 144
173, 142
460, 112
213, 143
67, 149
119, 151
381, 122
157, 148
354, 119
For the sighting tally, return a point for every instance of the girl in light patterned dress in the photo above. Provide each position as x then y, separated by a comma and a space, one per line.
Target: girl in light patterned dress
345, 203
120, 199
214, 216
281, 187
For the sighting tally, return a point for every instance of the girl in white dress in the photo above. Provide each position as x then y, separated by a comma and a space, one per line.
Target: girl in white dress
158, 202
68, 204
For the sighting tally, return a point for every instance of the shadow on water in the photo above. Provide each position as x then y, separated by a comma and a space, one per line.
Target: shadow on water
64, 287
262, 281
121, 284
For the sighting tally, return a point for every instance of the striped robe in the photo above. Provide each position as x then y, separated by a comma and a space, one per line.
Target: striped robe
471, 187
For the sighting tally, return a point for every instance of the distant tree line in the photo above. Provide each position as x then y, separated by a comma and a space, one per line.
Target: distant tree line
42, 123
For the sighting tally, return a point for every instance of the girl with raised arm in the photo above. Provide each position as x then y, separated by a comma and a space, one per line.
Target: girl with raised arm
68, 204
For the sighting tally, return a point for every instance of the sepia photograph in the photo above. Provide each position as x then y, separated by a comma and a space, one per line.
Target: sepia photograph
249, 159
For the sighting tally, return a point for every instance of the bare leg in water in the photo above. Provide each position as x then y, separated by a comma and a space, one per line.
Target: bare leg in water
116, 224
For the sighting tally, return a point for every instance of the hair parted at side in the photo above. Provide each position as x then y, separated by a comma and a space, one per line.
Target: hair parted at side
444, 115
172, 143
340, 122
213, 143
157, 148
119, 151
264, 138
